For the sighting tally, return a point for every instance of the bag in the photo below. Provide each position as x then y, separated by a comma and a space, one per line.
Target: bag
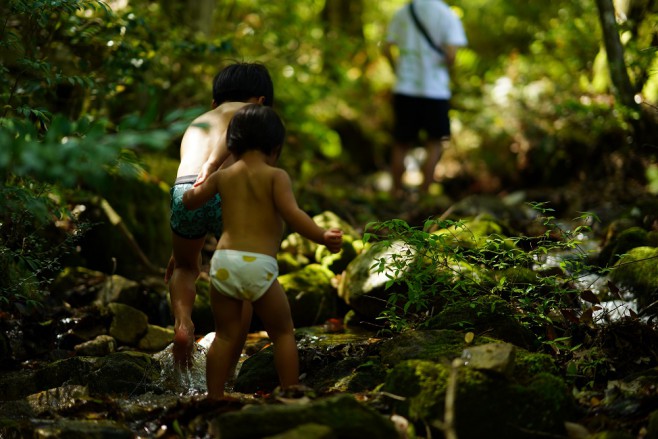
423, 31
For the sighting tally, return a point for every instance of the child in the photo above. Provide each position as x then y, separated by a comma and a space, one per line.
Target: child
257, 199
203, 150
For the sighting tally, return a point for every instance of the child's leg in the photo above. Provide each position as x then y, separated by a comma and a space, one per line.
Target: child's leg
182, 292
229, 339
274, 310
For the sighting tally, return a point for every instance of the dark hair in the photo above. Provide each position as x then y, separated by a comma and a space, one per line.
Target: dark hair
241, 81
255, 127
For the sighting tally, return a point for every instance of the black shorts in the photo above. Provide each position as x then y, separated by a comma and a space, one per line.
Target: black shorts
415, 114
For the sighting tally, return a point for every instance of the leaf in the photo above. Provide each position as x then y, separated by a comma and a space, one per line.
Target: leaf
615, 290
590, 297
570, 315
468, 338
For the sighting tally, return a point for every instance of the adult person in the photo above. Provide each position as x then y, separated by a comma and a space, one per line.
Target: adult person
203, 150
422, 89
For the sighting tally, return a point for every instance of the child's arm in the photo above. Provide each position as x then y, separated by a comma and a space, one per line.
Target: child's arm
297, 219
200, 195
217, 157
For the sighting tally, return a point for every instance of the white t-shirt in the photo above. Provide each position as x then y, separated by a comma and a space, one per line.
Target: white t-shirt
420, 70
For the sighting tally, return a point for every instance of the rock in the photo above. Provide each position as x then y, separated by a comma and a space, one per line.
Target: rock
494, 357
128, 324
119, 289
78, 286
638, 271
60, 400
484, 403
436, 345
306, 431
19, 384
337, 262
621, 243
124, 373
311, 295
156, 338
99, 347
73, 428
257, 373
486, 314
346, 417
364, 289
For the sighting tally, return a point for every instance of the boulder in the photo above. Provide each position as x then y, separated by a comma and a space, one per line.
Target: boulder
346, 417
128, 324
311, 295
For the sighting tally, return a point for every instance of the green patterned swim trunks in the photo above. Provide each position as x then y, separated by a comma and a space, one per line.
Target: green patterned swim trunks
193, 224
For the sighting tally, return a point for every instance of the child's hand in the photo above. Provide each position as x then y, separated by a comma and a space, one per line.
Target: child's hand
333, 239
204, 173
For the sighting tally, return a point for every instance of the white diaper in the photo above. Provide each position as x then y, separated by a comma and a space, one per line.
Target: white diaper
242, 275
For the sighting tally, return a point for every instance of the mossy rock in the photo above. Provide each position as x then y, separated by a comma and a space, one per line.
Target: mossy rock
349, 375
201, 312
620, 244
638, 271
484, 403
289, 262
435, 345
487, 314
337, 262
124, 373
347, 418
296, 244
477, 232
311, 295
257, 373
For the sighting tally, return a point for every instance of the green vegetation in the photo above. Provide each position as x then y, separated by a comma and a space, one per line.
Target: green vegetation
459, 267
92, 91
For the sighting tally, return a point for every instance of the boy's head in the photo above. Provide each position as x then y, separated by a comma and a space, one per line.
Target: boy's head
255, 127
241, 81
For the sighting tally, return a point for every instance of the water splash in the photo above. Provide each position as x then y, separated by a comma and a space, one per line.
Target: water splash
183, 382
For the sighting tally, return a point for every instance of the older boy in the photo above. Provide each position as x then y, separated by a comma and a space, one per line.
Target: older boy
203, 150
258, 199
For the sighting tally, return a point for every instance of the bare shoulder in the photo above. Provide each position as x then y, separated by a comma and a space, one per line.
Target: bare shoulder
228, 109
279, 175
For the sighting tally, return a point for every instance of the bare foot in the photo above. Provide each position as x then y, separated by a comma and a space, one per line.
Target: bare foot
183, 345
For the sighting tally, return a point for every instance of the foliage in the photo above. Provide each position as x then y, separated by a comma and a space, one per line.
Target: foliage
33, 241
440, 269
87, 86
57, 134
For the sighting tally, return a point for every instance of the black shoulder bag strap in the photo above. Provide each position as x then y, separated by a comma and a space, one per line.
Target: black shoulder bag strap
423, 31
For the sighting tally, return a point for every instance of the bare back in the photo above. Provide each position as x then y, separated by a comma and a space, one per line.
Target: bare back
251, 219
206, 134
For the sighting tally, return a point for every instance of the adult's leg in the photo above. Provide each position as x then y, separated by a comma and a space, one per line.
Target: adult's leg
398, 155
182, 293
274, 310
221, 358
434, 148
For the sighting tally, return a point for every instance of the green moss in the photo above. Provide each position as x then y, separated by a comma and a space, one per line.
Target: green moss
436, 345
528, 364
477, 232
626, 240
484, 403
487, 313
639, 271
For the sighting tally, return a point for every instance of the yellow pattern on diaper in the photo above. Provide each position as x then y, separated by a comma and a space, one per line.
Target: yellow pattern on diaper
269, 276
221, 274
249, 258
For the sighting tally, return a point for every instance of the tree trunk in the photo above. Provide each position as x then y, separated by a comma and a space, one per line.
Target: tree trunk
620, 81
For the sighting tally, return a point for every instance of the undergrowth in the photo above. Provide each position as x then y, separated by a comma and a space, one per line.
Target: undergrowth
446, 263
